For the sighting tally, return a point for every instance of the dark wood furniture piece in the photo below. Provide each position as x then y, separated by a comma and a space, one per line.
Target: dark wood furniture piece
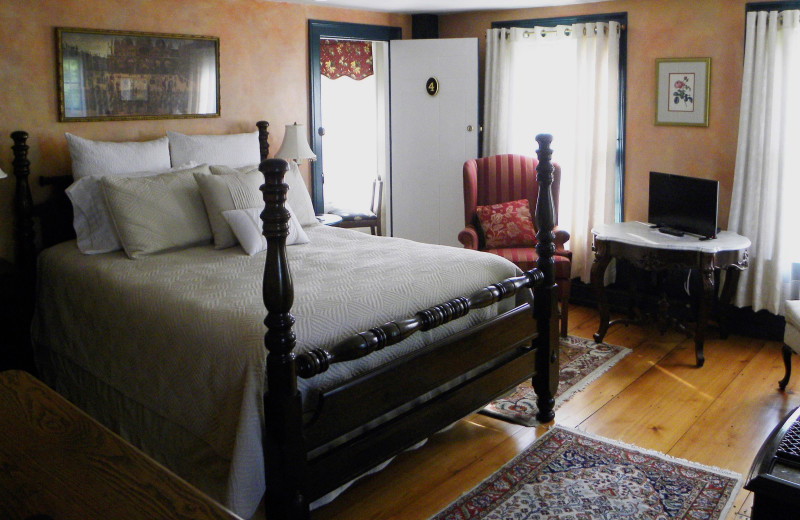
505, 178
650, 250
497, 354
370, 219
58, 461
329, 219
774, 477
791, 339
13, 354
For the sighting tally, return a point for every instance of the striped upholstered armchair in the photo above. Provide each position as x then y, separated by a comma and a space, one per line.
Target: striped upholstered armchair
498, 221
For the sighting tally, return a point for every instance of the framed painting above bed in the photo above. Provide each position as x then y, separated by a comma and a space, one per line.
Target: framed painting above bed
117, 75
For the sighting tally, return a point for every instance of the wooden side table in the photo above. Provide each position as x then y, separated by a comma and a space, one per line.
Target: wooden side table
57, 461
329, 219
651, 250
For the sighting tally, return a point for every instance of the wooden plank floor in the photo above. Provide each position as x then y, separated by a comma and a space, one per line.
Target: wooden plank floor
656, 398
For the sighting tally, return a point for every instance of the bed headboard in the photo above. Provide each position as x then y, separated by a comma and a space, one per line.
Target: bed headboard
42, 225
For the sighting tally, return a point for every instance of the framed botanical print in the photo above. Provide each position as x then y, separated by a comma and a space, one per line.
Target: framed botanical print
682, 91
113, 75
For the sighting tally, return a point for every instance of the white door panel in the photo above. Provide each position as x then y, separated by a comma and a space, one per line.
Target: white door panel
430, 136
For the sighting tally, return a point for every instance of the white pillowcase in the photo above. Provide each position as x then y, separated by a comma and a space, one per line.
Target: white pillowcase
232, 150
226, 192
109, 158
218, 169
298, 196
94, 228
246, 225
158, 213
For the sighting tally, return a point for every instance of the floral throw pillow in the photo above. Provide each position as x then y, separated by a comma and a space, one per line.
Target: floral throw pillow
508, 224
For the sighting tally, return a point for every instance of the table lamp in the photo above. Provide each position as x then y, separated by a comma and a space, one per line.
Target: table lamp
295, 145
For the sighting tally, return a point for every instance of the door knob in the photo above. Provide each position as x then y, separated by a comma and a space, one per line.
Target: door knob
321, 131
469, 128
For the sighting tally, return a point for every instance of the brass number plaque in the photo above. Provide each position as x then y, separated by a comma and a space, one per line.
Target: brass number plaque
432, 86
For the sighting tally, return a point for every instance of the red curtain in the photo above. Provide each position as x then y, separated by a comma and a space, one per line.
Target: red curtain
345, 58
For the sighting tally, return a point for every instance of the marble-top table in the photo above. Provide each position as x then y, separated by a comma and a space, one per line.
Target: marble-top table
652, 250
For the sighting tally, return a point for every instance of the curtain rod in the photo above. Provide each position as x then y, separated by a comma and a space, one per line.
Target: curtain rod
568, 31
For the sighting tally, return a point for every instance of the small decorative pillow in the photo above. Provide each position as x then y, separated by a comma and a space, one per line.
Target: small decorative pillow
94, 228
158, 213
508, 224
232, 150
246, 225
109, 158
226, 192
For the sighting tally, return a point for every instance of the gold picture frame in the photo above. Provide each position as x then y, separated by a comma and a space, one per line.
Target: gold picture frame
683, 86
106, 75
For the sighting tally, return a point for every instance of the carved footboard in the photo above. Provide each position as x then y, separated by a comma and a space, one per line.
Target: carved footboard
526, 351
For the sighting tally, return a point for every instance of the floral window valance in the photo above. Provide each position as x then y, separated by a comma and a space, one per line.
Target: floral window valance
345, 58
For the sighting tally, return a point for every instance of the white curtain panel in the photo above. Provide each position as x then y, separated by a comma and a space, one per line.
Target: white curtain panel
766, 184
563, 81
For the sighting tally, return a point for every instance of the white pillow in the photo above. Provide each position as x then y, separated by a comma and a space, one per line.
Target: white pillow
246, 225
108, 158
232, 150
218, 169
94, 228
158, 213
225, 192
298, 196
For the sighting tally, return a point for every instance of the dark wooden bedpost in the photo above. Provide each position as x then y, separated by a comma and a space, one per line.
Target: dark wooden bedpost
284, 447
545, 382
263, 135
23, 205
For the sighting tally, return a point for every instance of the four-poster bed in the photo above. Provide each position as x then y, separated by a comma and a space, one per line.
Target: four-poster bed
310, 446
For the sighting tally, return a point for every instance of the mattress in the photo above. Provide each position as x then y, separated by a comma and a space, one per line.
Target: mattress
168, 349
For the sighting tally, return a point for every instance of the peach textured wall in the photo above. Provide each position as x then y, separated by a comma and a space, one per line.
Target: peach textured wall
664, 29
263, 66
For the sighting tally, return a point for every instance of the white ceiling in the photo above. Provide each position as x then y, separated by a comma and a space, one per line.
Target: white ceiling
437, 6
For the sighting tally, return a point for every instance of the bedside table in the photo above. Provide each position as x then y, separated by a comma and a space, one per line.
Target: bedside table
60, 463
329, 219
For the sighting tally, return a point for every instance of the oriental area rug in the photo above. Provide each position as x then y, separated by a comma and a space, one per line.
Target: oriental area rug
581, 362
571, 475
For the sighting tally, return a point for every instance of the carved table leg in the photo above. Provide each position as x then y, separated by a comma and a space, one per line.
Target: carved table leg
706, 301
601, 260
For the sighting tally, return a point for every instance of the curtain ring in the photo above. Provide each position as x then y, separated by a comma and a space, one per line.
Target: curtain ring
584, 31
567, 31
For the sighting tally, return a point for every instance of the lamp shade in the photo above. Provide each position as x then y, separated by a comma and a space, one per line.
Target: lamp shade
2, 174
295, 144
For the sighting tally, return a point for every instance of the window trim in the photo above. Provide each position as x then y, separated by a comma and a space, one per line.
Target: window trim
622, 18
318, 29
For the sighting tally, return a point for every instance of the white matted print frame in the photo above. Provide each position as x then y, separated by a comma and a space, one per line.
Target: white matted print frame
682, 90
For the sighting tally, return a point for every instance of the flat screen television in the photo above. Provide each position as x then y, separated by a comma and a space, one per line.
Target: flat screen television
683, 204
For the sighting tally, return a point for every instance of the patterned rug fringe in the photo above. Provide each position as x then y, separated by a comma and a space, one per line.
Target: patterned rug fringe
669, 458
738, 478
589, 379
519, 406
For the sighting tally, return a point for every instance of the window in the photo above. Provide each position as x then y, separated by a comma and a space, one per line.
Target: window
565, 77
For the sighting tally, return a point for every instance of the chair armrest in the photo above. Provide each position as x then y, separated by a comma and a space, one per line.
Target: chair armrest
469, 237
